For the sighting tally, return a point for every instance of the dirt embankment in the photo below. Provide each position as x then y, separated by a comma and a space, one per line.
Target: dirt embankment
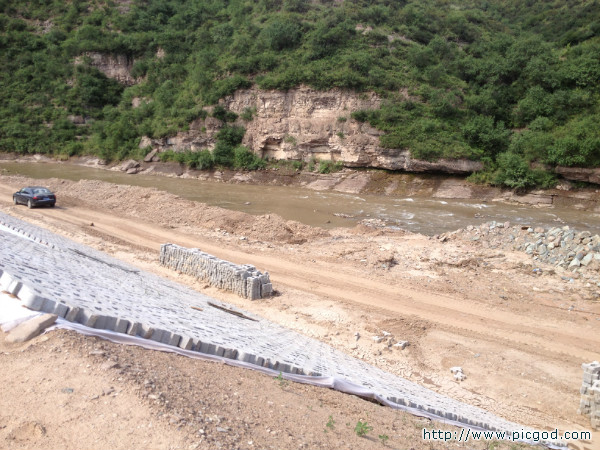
519, 335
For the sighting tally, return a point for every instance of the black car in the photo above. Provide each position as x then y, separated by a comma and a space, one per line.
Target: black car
34, 196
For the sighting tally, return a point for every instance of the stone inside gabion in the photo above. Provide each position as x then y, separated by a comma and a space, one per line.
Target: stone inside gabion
589, 404
244, 280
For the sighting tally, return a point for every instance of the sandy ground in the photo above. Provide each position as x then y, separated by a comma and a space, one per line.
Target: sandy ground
519, 337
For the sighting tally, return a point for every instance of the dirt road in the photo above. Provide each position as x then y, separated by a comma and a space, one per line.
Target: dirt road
457, 303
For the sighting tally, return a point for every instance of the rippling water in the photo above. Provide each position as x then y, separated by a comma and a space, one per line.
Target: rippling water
326, 208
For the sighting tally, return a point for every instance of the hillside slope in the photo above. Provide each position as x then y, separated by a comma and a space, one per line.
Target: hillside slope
490, 81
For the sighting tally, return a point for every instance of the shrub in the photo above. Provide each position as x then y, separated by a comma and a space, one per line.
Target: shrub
532, 145
290, 139
360, 116
481, 132
202, 160
362, 428
223, 154
537, 102
281, 34
248, 114
231, 135
171, 156
245, 159
577, 143
329, 166
223, 114
482, 177
514, 172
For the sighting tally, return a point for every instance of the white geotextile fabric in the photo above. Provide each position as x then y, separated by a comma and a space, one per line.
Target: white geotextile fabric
12, 313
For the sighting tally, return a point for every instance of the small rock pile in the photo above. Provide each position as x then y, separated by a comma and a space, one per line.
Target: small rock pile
589, 404
458, 373
243, 280
576, 252
390, 341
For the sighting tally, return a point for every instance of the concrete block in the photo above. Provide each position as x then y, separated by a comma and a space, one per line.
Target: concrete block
30, 298
89, 320
593, 367
105, 323
14, 287
133, 328
141, 330
266, 290
589, 378
162, 336
186, 343
122, 326
31, 328
207, 348
267, 363
5, 281
197, 346
72, 314
247, 357
48, 306
282, 367
174, 340
61, 310
230, 353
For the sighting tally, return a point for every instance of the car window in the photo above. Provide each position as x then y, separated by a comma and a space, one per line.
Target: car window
41, 191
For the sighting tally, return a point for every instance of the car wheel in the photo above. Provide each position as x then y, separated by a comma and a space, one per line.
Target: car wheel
52, 205
15, 201
29, 204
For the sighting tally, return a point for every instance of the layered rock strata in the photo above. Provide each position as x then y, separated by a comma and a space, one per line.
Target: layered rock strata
301, 124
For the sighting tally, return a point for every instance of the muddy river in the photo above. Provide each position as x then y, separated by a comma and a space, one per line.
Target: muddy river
325, 208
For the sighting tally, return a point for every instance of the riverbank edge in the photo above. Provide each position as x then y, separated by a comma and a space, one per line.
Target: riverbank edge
351, 181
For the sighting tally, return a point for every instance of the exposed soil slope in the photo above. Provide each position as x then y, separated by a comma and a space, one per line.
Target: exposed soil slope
519, 337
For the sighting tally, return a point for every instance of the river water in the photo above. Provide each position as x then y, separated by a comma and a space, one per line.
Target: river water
326, 208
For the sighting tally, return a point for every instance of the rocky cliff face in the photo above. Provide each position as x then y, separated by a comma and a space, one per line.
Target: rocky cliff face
587, 175
117, 67
303, 123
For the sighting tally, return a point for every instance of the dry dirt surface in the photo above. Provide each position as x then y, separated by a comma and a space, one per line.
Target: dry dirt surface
519, 337
63, 390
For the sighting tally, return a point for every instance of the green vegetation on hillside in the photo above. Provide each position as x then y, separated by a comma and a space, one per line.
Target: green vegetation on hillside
503, 81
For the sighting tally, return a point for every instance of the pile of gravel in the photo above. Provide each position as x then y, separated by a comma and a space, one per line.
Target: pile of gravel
577, 253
